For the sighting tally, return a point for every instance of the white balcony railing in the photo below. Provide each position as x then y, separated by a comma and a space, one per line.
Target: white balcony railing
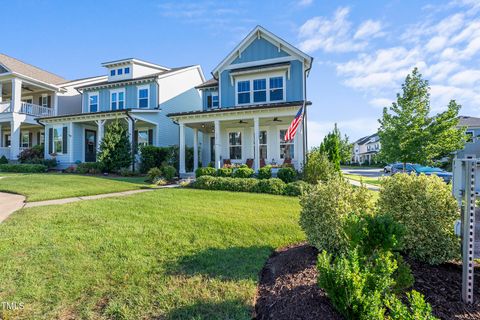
5, 107
36, 110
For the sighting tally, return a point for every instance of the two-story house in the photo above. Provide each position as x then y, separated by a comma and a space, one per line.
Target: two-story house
26, 93
247, 106
365, 149
138, 92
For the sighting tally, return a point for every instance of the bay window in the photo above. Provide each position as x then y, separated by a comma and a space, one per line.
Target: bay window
235, 145
286, 147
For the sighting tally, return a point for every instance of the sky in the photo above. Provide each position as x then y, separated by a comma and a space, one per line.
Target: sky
362, 50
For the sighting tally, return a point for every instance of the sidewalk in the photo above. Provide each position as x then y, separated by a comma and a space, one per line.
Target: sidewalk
368, 186
9, 203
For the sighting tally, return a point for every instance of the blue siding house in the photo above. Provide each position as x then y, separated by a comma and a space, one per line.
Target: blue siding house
138, 92
247, 106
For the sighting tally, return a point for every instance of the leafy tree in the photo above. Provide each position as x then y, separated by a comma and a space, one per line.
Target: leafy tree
346, 149
331, 146
409, 134
115, 148
318, 167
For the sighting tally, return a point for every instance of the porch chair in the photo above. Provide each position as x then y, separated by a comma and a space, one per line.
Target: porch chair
262, 163
227, 163
250, 163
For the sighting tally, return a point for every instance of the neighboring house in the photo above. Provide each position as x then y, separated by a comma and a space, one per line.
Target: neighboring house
138, 92
26, 93
365, 149
472, 129
247, 106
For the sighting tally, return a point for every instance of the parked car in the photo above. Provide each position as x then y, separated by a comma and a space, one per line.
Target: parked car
419, 169
388, 167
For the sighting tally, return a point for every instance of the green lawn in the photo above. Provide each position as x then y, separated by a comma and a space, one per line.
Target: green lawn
40, 186
167, 254
367, 180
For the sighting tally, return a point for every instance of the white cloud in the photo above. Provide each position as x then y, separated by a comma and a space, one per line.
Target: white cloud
465, 78
381, 102
369, 28
304, 3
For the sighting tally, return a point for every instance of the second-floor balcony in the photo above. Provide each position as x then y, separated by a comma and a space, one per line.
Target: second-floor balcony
28, 108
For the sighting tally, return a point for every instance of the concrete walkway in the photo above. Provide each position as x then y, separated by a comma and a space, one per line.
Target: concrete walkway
366, 185
9, 203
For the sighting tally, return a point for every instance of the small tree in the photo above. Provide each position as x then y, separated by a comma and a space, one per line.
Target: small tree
331, 146
115, 148
318, 167
409, 134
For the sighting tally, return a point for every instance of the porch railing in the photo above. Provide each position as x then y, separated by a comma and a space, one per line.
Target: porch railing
36, 110
5, 107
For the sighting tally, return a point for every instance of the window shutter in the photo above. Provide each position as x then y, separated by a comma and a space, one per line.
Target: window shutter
135, 141
64, 139
150, 137
209, 101
40, 100
50, 140
49, 101
30, 137
38, 137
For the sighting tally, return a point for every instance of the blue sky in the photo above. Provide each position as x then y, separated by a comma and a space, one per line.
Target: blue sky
362, 49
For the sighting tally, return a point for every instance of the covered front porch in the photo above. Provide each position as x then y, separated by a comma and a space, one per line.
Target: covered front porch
234, 136
24, 137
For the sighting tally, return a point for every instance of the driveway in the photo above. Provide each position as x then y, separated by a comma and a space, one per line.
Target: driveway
366, 172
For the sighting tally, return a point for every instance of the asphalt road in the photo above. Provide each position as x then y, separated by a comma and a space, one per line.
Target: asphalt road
372, 173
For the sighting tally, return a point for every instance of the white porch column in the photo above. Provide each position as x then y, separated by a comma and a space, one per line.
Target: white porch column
16, 94
1, 91
1, 132
14, 138
130, 131
195, 149
256, 139
100, 132
55, 103
182, 149
217, 144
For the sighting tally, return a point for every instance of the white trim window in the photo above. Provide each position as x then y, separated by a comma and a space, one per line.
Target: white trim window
470, 136
127, 70
112, 72
262, 139
287, 148
259, 90
93, 102
277, 89
143, 93
58, 140
214, 99
44, 100
235, 145
142, 138
117, 99
25, 142
270, 88
120, 71
243, 92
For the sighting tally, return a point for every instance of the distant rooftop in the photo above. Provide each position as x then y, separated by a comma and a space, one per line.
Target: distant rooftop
466, 121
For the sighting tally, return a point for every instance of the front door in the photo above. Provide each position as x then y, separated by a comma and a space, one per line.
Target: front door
90, 146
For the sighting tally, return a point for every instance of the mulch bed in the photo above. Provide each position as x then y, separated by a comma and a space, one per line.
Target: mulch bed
288, 288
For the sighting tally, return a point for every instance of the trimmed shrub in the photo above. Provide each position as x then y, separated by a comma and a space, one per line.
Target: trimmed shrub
33, 153
151, 156
23, 168
50, 163
126, 172
297, 188
89, 168
115, 149
205, 171
318, 168
153, 174
427, 209
265, 172
417, 308
3, 160
272, 186
243, 172
224, 172
168, 172
287, 174
227, 184
326, 209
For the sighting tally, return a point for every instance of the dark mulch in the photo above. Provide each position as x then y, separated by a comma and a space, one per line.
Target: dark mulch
442, 287
288, 288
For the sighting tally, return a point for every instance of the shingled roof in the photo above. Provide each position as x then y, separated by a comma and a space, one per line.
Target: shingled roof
28, 70
465, 121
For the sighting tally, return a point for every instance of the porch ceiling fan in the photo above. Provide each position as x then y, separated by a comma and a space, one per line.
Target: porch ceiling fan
242, 122
275, 119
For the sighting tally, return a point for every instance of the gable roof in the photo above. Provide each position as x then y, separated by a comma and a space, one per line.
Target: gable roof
134, 61
366, 139
208, 84
19, 67
466, 121
260, 31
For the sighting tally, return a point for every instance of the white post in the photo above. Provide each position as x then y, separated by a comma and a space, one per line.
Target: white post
16, 95
1, 91
100, 134
130, 131
256, 133
195, 149
1, 135
55, 103
14, 138
217, 144
182, 149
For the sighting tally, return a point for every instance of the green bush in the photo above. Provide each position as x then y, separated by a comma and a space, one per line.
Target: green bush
427, 209
126, 172
23, 168
272, 186
265, 172
168, 172
89, 168
326, 209
151, 156
115, 149
33, 153
243, 172
153, 174
417, 308
318, 168
205, 171
287, 174
297, 188
226, 184
224, 172
3, 160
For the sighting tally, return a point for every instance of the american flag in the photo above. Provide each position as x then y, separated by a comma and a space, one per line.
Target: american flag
292, 129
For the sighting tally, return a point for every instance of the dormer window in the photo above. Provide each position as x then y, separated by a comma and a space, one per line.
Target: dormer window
112, 72
127, 70
120, 71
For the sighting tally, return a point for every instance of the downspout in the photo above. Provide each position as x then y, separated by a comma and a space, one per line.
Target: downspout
133, 139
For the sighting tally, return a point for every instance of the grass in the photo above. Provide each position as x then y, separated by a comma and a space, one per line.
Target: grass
41, 186
368, 180
167, 254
